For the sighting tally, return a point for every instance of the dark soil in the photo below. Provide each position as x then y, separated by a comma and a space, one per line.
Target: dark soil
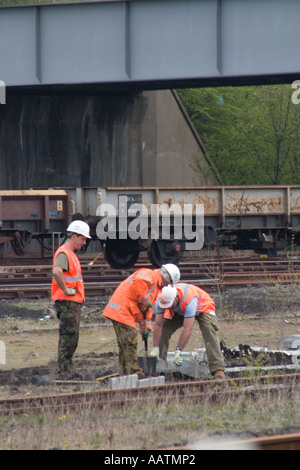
250, 301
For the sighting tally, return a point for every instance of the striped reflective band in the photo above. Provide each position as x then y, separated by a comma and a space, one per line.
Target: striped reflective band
113, 305
148, 294
73, 279
144, 276
141, 323
185, 293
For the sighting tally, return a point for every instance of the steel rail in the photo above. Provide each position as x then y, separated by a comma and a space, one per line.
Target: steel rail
35, 281
289, 441
196, 391
276, 442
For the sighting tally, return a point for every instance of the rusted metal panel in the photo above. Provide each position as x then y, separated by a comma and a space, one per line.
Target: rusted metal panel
248, 201
34, 205
295, 200
217, 200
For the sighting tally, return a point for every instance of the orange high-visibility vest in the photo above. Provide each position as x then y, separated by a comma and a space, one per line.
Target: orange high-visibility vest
187, 292
72, 278
126, 302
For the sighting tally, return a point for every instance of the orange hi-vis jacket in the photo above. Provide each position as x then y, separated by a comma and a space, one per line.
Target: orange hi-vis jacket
72, 278
186, 293
130, 296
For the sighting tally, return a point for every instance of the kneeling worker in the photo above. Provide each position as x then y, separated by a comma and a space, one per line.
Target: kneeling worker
130, 305
178, 307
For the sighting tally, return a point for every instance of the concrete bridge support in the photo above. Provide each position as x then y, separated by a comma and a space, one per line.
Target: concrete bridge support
108, 139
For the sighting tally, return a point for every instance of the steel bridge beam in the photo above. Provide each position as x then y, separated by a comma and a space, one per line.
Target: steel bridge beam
154, 43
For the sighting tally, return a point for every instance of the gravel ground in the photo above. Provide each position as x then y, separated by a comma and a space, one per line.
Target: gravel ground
263, 305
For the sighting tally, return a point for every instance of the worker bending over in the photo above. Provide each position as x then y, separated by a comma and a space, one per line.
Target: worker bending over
132, 304
178, 306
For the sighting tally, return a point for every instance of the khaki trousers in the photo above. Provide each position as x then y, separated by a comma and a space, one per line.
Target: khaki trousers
208, 325
127, 340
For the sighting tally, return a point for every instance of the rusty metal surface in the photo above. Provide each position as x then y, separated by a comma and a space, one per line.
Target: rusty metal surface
187, 390
217, 200
34, 281
220, 201
33, 205
278, 442
290, 441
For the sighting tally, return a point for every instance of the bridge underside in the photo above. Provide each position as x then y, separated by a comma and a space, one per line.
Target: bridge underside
150, 44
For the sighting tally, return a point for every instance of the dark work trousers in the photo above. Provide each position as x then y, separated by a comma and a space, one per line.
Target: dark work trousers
208, 325
68, 313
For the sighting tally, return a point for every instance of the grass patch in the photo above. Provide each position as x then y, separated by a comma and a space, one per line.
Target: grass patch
147, 427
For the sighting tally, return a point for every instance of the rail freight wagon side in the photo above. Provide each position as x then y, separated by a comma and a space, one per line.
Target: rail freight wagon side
260, 218
32, 222
164, 222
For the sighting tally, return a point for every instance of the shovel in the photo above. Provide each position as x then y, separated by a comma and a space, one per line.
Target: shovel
148, 364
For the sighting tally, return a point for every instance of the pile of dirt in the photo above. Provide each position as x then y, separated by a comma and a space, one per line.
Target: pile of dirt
35, 309
247, 301
89, 367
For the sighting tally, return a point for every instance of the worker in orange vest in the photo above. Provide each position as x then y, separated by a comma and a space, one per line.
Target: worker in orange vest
179, 306
68, 293
131, 305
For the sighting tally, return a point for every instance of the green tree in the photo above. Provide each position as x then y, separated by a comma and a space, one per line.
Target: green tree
251, 133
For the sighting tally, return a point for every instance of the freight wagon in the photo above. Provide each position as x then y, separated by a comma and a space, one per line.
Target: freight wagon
165, 222
32, 222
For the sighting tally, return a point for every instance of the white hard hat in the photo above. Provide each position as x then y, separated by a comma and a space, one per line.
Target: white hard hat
173, 272
79, 227
167, 296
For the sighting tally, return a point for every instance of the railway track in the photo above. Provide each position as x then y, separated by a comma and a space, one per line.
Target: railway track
192, 391
34, 281
195, 391
290, 441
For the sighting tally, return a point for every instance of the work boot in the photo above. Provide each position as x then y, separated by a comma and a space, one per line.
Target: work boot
140, 374
219, 375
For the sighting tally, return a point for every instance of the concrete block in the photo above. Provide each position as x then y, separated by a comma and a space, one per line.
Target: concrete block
198, 355
144, 382
160, 380
291, 342
201, 355
151, 381
188, 368
124, 381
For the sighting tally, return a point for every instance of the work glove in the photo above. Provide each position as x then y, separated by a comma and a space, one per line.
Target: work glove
178, 358
145, 334
155, 353
70, 291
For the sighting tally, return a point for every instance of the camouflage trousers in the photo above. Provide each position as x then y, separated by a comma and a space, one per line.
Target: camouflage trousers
69, 315
208, 325
127, 340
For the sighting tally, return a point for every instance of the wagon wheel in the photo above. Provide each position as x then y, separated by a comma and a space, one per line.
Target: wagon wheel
162, 252
119, 255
